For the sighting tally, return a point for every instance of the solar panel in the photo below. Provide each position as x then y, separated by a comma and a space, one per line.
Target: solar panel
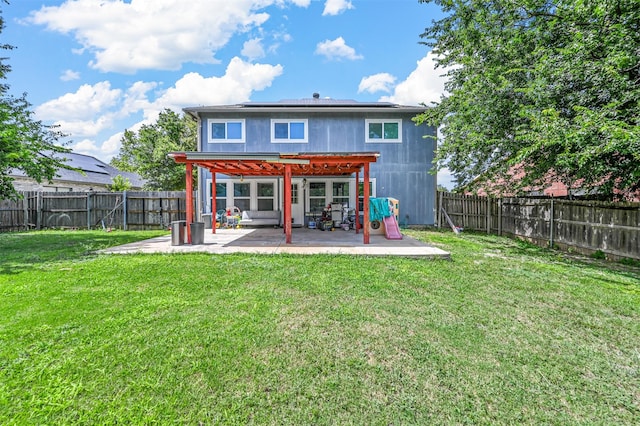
86, 163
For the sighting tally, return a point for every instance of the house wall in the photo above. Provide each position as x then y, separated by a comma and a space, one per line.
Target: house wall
401, 170
27, 184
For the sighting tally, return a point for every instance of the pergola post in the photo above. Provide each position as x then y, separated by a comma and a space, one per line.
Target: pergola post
357, 202
189, 200
213, 201
287, 203
366, 204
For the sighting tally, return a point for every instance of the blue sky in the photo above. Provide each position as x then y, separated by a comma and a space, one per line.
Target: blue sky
98, 67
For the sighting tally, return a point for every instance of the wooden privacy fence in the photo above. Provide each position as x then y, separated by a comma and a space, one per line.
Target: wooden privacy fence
90, 210
584, 226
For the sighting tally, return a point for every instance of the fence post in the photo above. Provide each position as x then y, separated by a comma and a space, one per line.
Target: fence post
25, 211
440, 207
39, 210
88, 210
488, 215
463, 202
551, 224
499, 216
124, 210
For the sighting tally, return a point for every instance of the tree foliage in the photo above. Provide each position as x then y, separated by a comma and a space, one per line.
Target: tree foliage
544, 89
25, 143
145, 152
119, 184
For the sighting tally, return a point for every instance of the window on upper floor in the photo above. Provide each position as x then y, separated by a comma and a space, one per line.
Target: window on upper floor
383, 131
289, 131
226, 131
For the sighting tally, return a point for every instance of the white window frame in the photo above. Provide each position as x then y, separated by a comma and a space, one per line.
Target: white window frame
259, 197
212, 121
207, 203
373, 183
310, 197
251, 197
341, 198
304, 121
382, 121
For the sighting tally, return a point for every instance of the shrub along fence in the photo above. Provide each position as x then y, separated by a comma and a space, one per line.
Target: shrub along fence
89, 210
583, 226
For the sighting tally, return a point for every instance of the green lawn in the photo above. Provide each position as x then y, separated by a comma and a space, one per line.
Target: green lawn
505, 333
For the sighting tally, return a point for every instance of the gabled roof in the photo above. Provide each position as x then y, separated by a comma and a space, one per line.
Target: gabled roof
95, 172
308, 105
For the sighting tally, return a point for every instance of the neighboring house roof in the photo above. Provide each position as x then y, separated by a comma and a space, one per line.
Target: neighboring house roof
551, 186
315, 104
95, 172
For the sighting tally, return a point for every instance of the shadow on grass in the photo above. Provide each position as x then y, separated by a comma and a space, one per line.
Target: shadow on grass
21, 251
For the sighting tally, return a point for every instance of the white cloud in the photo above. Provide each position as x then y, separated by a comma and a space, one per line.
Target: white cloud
105, 151
236, 85
69, 75
136, 99
382, 82
83, 104
86, 146
336, 7
336, 49
94, 109
76, 128
153, 34
252, 49
425, 84
111, 146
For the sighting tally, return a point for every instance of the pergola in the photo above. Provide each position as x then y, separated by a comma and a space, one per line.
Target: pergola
284, 165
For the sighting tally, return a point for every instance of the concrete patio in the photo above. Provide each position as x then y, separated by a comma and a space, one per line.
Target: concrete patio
272, 241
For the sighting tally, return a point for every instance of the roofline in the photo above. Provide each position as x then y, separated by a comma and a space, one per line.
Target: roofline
244, 109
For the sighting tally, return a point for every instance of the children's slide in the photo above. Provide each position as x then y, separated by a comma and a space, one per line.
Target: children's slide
391, 229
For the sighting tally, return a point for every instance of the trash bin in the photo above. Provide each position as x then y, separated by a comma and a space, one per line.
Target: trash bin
206, 217
177, 232
197, 233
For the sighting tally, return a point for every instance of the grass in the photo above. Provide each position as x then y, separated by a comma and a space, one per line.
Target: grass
505, 333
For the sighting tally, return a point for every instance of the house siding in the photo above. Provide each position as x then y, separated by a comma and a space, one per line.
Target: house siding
402, 170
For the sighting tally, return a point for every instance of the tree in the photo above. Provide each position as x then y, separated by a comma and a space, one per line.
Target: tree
119, 184
145, 152
25, 144
542, 89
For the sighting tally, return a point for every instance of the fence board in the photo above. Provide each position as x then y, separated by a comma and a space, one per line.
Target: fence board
586, 226
142, 210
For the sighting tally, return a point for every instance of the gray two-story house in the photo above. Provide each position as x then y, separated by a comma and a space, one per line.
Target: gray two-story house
403, 156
